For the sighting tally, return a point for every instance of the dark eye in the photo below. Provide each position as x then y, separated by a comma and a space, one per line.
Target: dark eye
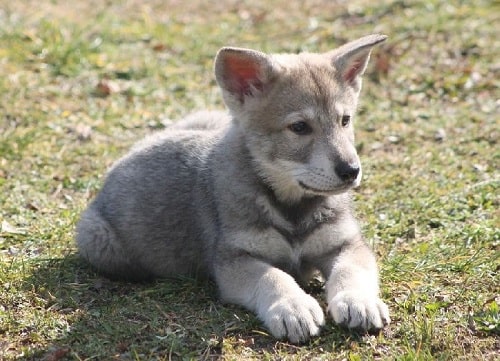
346, 119
300, 128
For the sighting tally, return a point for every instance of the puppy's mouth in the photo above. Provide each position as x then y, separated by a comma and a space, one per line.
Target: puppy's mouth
330, 191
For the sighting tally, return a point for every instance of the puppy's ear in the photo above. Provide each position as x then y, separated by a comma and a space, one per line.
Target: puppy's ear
242, 73
351, 59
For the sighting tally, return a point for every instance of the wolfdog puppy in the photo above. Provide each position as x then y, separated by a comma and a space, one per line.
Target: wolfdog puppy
258, 199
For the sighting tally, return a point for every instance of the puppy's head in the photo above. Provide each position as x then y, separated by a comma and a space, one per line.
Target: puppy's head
296, 113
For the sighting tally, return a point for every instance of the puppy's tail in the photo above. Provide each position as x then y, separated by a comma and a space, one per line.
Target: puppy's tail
98, 243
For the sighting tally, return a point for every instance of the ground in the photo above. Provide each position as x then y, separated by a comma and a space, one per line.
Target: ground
82, 81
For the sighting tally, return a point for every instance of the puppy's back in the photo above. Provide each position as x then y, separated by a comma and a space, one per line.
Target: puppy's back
144, 222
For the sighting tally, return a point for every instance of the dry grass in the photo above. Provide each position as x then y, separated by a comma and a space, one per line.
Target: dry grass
80, 82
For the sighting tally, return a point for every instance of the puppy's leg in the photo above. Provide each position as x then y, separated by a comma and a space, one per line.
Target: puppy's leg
286, 310
352, 288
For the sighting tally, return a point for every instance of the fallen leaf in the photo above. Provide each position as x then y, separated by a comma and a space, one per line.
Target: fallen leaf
382, 62
106, 87
57, 354
159, 47
32, 207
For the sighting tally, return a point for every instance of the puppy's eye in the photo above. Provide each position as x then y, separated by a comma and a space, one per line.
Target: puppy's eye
346, 119
300, 128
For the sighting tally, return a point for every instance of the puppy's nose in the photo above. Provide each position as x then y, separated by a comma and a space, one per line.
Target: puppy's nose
347, 172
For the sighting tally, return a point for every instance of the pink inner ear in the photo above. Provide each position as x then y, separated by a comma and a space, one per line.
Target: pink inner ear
243, 74
353, 70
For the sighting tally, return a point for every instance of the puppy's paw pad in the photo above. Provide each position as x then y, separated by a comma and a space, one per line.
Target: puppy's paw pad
359, 311
296, 319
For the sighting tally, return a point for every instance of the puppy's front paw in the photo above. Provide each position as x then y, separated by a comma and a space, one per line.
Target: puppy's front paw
296, 318
359, 311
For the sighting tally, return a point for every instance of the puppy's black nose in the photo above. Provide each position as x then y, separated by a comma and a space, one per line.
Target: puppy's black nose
347, 172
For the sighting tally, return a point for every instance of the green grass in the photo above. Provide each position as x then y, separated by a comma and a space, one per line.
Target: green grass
80, 83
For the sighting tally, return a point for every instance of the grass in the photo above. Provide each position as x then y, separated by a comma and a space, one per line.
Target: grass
81, 83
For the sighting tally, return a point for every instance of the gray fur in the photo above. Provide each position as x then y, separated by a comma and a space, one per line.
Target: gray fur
243, 198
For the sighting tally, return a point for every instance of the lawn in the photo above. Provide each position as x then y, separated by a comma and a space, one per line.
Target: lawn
80, 82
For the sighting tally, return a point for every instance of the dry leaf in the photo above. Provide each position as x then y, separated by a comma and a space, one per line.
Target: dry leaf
57, 354
159, 47
106, 87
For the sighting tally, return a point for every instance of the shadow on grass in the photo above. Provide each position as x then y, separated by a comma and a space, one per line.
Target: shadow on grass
91, 317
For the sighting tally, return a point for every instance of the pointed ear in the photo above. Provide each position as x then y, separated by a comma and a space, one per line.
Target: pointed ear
242, 72
351, 59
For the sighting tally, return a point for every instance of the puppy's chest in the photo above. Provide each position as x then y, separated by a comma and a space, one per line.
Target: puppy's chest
298, 230
294, 239
298, 222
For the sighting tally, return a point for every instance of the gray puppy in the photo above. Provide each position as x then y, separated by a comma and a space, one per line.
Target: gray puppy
258, 199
